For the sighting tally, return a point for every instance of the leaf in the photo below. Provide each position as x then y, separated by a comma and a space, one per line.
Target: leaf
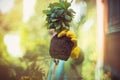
58, 27
68, 18
52, 15
53, 20
59, 15
67, 4
67, 27
47, 12
60, 12
63, 25
55, 5
62, 3
66, 24
51, 26
71, 11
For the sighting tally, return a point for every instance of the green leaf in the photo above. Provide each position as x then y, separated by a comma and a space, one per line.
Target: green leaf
55, 5
58, 27
51, 25
53, 20
47, 12
62, 3
63, 25
71, 11
67, 4
52, 15
60, 12
59, 15
68, 18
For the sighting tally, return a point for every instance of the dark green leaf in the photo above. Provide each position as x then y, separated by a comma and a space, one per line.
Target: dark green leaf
60, 12
52, 15
71, 11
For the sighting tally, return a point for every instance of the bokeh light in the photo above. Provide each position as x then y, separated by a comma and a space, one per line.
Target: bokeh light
12, 42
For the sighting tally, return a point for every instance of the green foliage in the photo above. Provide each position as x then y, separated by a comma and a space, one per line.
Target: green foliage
59, 15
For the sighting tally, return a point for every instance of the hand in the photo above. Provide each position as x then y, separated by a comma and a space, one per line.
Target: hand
75, 50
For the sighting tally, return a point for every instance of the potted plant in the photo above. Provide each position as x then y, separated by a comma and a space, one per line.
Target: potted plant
59, 16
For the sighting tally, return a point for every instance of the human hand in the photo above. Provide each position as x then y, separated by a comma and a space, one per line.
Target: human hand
75, 50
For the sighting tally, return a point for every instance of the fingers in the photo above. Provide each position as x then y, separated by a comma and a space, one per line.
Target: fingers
70, 34
75, 52
66, 33
62, 33
74, 40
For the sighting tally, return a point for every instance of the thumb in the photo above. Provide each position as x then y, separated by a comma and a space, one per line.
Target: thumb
75, 52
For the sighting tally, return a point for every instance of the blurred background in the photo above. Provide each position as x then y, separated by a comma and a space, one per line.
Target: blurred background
24, 38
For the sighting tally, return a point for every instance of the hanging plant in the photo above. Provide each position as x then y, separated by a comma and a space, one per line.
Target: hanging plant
59, 15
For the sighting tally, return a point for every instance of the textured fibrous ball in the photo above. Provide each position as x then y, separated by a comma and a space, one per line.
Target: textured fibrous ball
60, 48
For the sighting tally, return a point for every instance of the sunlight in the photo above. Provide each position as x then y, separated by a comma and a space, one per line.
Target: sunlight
87, 25
100, 39
12, 43
28, 9
80, 9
